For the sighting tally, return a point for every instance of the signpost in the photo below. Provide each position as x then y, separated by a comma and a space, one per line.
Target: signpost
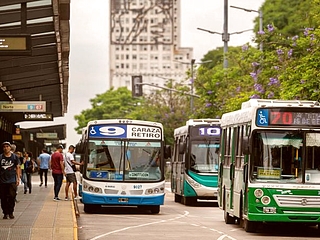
47, 135
37, 117
15, 44
21, 106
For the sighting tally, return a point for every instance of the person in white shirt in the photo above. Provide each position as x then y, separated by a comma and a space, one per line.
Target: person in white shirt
69, 169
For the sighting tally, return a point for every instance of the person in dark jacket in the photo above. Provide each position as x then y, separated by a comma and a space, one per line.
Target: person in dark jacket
9, 180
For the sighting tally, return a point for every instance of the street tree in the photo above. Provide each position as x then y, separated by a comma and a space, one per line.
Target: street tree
114, 103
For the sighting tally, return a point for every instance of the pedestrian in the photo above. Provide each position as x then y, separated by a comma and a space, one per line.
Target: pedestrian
69, 169
43, 162
29, 167
9, 180
57, 167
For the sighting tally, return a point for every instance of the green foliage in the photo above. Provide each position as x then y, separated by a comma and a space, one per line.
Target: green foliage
290, 17
111, 104
287, 68
170, 108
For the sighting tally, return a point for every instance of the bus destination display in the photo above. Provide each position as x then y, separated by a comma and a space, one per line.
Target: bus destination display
201, 131
287, 117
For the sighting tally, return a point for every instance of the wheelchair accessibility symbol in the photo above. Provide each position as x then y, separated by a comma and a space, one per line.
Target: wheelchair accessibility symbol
262, 118
92, 131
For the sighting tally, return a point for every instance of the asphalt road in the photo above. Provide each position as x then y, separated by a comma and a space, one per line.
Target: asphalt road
176, 221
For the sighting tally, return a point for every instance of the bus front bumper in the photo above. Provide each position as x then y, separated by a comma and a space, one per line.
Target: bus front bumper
122, 200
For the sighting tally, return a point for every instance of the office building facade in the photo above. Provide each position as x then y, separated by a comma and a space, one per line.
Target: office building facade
145, 41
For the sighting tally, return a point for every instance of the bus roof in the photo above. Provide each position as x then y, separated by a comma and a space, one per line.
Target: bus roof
124, 121
277, 103
193, 122
248, 109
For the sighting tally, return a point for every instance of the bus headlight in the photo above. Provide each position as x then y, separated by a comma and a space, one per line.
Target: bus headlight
89, 188
258, 193
265, 200
155, 190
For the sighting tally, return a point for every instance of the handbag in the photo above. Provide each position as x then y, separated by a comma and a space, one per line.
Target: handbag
74, 169
32, 168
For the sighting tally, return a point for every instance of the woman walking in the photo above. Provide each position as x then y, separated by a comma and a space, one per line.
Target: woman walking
29, 166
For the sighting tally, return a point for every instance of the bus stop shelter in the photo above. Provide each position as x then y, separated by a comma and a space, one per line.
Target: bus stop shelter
34, 59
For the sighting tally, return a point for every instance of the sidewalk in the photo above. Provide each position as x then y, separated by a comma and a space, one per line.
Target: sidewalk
38, 217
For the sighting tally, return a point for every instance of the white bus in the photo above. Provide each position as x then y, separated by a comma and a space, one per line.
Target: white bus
123, 164
270, 165
194, 162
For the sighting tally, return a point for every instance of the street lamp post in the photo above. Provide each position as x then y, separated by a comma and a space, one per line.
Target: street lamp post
260, 19
225, 39
191, 87
192, 63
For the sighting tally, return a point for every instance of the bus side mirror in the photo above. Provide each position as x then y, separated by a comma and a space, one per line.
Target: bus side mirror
167, 152
182, 148
245, 147
79, 148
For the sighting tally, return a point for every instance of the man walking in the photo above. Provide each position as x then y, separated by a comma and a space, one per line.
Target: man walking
44, 159
69, 165
9, 180
57, 167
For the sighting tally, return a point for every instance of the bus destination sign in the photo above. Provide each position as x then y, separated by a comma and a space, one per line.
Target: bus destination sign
287, 117
205, 131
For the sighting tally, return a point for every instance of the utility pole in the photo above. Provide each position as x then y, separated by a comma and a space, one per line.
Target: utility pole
192, 82
225, 36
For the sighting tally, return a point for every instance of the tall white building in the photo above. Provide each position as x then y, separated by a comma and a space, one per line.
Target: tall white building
145, 40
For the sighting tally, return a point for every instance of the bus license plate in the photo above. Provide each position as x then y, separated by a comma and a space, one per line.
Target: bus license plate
123, 200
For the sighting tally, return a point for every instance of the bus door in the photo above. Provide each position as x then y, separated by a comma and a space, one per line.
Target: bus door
233, 143
177, 177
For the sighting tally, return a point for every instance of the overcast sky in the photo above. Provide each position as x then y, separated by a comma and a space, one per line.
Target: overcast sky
89, 39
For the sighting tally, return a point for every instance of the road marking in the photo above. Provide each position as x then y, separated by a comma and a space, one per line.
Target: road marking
137, 226
225, 236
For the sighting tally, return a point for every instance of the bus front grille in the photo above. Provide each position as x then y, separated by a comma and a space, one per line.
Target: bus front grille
136, 192
110, 191
297, 201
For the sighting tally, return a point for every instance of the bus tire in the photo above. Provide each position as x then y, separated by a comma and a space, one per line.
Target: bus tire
155, 209
189, 201
177, 198
89, 208
249, 226
228, 219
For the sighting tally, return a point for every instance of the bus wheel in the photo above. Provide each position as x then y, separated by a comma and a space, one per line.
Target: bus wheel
228, 219
249, 226
89, 208
177, 198
189, 201
155, 209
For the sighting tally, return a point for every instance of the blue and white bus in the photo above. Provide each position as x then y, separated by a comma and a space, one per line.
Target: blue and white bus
194, 170
123, 164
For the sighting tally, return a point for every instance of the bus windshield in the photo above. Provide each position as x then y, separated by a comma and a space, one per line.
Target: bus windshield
123, 160
279, 157
204, 156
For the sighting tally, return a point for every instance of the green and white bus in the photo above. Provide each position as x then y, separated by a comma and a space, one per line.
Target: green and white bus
270, 164
194, 169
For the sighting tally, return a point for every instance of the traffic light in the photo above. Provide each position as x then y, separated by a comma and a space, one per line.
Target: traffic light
137, 86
